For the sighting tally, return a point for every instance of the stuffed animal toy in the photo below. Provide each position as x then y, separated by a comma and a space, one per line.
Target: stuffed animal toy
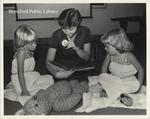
62, 96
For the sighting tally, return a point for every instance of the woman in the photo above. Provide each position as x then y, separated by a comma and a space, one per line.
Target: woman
70, 42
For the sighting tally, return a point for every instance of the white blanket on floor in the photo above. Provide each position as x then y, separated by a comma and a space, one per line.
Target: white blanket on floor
91, 103
139, 102
10, 94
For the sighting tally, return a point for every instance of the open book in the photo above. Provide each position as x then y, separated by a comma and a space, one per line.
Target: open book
73, 65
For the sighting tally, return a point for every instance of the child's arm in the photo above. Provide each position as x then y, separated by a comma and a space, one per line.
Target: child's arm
20, 63
133, 60
54, 70
105, 64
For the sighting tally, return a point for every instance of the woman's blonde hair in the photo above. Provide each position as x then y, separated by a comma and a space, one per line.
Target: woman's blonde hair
24, 34
117, 38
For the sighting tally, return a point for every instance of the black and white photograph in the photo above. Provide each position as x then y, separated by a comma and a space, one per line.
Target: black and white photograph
74, 59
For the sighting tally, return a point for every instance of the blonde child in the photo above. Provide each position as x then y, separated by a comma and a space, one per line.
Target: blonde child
24, 80
122, 65
118, 72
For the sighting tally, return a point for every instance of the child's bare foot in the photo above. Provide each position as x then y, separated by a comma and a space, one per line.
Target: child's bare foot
126, 100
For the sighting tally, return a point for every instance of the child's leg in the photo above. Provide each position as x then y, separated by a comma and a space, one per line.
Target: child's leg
131, 85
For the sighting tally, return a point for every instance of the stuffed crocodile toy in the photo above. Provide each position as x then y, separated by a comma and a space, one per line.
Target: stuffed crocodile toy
62, 96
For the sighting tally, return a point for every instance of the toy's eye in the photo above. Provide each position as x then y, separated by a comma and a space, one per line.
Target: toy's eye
35, 97
36, 105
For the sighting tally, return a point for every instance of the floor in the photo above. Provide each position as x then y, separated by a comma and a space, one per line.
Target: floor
105, 111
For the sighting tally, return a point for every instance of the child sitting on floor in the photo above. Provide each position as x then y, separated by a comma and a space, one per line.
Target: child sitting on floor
123, 66
24, 80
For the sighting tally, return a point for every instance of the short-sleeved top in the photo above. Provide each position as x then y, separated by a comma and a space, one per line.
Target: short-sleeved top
83, 36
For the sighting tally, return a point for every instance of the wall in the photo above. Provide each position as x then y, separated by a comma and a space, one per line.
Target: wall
99, 24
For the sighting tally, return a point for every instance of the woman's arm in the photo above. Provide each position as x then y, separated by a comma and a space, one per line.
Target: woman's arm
105, 64
133, 60
82, 53
20, 67
85, 53
53, 69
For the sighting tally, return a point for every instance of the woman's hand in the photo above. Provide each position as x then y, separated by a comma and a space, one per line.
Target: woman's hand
69, 44
72, 45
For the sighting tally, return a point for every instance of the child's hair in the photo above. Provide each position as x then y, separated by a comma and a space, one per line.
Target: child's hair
24, 34
69, 18
117, 38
